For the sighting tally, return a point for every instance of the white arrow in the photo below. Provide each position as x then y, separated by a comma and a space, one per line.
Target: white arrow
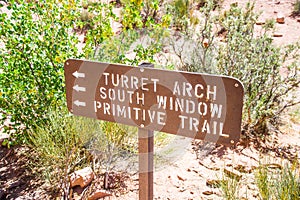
79, 75
79, 89
79, 103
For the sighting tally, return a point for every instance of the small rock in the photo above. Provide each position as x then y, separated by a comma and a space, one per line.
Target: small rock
208, 192
99, 194
277, 35
82, 177
280, 18
260, 23
180, 178
205, 43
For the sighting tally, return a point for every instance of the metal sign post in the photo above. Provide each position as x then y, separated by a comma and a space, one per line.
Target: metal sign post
146, 152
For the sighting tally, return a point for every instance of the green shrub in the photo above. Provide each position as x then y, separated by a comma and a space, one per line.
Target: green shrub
181, 11
259, 65
35, 40
99, 24
58, 147
269, 73
230, 188
296, 8
281, 183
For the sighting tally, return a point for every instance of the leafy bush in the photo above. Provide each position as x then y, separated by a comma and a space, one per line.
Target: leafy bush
99, 24
36, 38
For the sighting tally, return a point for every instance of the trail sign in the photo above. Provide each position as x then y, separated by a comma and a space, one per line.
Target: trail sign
194, 105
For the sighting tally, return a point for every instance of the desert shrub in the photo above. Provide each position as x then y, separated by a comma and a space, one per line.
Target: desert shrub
182, 14
296, 8
279, 183
230, 188
58, 148
226, 44
196, 48
269, 73
68, 143
36, 38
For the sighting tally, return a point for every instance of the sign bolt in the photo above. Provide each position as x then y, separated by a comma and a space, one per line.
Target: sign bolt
236, 85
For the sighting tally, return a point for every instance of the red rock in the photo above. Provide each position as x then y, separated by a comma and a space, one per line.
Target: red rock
99, 194
208, 192
277, 35
205, 43
180, 178
260, 23
82, 177
280, 19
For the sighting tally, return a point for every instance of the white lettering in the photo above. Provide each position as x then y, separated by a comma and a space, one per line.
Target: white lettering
106, 77
161, 101
144, 83
182, 119
213, 93
154, 84
187, 88
102, 93
194, 123
140, 98
106, 108
161, 118
176, 90
197, 88
215, 109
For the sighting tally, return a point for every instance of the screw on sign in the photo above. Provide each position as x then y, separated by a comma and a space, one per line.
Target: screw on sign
199, 106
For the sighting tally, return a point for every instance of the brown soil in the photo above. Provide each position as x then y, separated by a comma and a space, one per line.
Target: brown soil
189, 175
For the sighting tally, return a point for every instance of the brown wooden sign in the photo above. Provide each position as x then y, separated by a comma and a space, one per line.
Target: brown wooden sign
200, 106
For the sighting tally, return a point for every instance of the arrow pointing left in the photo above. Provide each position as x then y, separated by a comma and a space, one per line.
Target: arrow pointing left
79, 103
78, 75
79, 89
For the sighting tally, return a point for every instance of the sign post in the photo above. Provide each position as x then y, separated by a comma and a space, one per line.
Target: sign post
199, 106
146, 153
